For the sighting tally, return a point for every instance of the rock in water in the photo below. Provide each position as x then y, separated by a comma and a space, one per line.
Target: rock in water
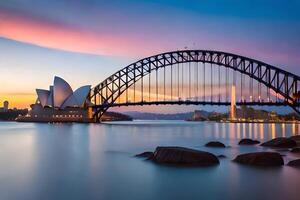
260, 159
248, 141
295, 150
147, 154
294, 163
184, 156
215, 144
281, 142
296, 138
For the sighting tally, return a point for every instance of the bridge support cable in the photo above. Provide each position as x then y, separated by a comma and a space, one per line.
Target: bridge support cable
149, 89
126, 85
171, 82
211, 82
190, 80
259, 84
119, 92
204, 81
178, 81
227, 83
241, 85
164, 83
182, 81
268, 80
134, 85
112, 90
156, 84
234, 78
251, 90
219, 82
197, 79
142, 85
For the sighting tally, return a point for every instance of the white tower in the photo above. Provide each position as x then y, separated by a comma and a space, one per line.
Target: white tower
233, 103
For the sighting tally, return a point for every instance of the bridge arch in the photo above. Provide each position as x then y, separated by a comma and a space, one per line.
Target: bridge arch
284, 83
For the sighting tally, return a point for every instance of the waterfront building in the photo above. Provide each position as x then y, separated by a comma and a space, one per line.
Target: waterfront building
60, 104
5, 107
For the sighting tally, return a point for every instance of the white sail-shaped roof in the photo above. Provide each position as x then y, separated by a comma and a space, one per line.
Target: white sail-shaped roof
43, 96
50, 98
78, 98
61, 91
70, 102
81, 94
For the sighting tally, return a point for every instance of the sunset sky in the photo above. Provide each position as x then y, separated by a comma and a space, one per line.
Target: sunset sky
84, 41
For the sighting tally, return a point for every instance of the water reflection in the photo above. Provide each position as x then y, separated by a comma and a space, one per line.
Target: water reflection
283, 130
250, 130
255, 131
238, 128
95, 161
244, 130
295, 129
273, 131
261, 131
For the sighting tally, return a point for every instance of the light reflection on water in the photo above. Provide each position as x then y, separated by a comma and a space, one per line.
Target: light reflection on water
93, 161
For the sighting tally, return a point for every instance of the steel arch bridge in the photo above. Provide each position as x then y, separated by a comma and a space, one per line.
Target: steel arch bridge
196, 77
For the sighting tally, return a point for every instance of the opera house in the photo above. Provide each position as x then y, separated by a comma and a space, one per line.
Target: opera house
60, 104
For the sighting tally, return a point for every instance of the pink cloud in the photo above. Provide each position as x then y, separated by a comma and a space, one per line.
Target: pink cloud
60, 36
45, 33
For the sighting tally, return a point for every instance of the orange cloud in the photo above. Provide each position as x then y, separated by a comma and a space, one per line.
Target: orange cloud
64, 37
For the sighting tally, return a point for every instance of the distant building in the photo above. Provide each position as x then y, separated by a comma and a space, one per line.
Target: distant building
250, 113
5, 105
60, 104
7, 114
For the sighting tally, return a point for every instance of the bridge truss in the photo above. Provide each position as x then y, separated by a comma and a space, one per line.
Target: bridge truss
196, 77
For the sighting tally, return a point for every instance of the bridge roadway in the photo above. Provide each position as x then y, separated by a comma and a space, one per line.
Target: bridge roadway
187, 102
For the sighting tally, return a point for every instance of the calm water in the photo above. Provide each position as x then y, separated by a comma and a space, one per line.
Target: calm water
93, 161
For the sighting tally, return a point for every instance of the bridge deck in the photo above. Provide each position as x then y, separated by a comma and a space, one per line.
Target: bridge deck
145, 103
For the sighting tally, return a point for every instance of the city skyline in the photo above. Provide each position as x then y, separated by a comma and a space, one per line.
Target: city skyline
85, 43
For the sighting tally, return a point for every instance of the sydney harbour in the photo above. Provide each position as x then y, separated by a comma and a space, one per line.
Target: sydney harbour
90, 161
137, 99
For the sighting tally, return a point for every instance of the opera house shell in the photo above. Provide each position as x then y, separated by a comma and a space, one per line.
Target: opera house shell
61, 95
60, 104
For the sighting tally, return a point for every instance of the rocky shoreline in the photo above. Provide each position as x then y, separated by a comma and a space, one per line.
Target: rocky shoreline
182, 156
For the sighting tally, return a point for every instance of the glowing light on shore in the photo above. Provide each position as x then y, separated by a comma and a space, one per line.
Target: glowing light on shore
273, 130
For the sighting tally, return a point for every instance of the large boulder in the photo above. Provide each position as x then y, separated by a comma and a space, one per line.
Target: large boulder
294, 163
260, 159
295, 150
184, 156
147, 154
280, 142
215, 144
296, 138
248, 141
